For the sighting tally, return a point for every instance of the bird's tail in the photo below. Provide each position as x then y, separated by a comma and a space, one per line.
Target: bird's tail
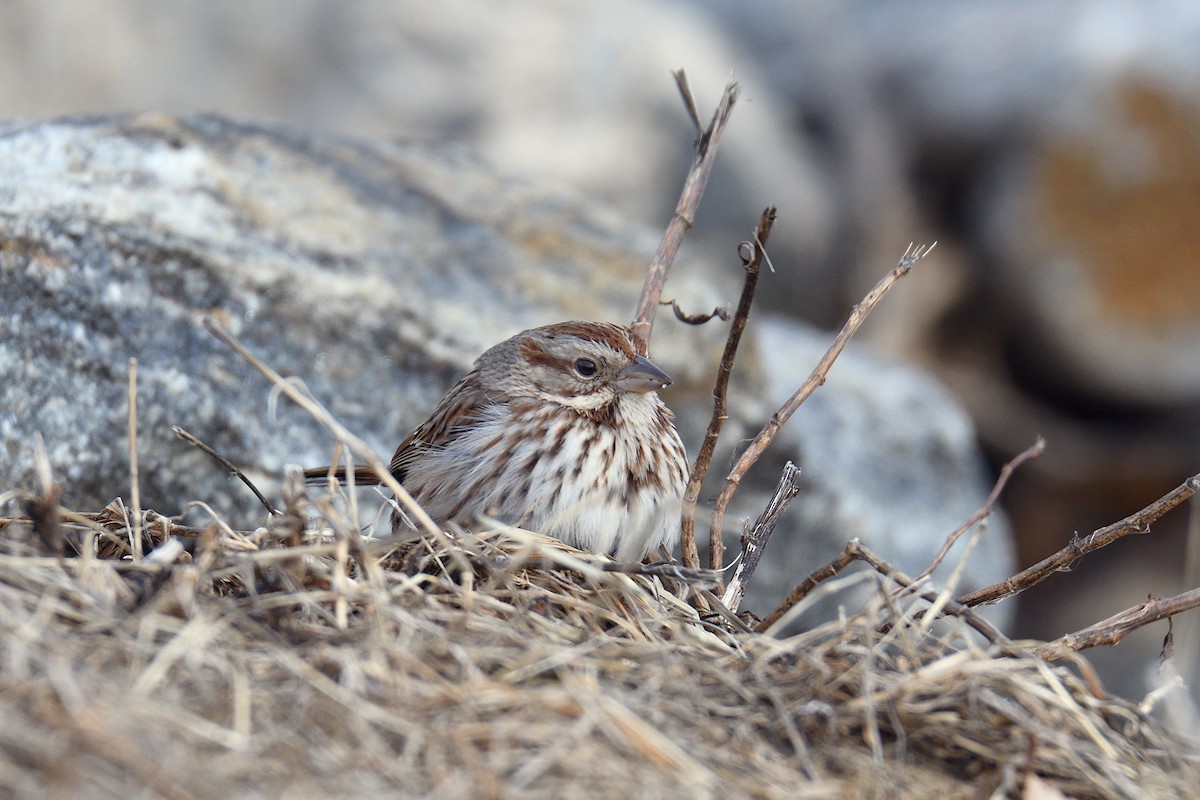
363, 476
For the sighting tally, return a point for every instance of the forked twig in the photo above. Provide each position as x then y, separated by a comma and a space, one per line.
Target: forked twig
1115, 628
752, 262
1102, 537
857, 551
227, 464
698, 579
752, 453
989, 505
685, 210
755, 540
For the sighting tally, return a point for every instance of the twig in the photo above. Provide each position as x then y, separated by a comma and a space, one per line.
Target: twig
1102, 537
1033, 451
698, 579
721, 312
134, 490
951, 608
754, 541
685, 210
856, 551
805, 587
689, 101
227, 464
1118, 626
859, 313
752, 262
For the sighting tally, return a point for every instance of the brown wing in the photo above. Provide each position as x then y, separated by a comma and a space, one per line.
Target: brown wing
456, 410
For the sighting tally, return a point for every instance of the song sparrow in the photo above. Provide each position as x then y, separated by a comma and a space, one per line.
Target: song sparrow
558, 430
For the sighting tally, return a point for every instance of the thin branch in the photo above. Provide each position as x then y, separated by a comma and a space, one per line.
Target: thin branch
754, 541
1118, 626
698, 579
752, 262
805, 587
859, 313
685, 210
721, 312
227, 464
135, 499
952, 608
857, 551
1102, 537
716, 608
985, 511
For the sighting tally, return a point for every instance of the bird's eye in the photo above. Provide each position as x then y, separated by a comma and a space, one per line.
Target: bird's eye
585, 367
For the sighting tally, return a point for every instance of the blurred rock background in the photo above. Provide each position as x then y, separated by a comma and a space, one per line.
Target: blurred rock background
1053, 150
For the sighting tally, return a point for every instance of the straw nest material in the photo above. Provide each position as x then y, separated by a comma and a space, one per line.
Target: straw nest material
304, 660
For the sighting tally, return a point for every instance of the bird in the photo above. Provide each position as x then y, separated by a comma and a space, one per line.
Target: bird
560, 430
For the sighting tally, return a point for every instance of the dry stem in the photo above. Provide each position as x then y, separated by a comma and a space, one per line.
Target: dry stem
1033, 451
1119, 625
685, 210
721, 312
1102, 537
227, 464
857, 551
755, 540
753, 265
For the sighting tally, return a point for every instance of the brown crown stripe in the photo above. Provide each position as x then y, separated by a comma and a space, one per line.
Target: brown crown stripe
615, 336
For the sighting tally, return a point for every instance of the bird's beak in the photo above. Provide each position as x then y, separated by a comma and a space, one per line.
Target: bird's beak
642, 376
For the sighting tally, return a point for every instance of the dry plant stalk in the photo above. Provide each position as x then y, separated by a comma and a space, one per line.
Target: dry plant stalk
753, 254
684, 217
856, 551
756, 538
1119, 625
229, 466
985, 511
1102, 537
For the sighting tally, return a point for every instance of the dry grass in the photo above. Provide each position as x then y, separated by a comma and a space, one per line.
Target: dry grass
303, 660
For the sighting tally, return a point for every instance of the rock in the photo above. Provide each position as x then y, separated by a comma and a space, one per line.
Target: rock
1094, 227
574, 93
